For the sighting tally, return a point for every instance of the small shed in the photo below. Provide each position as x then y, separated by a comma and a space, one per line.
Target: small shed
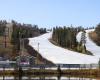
25, 60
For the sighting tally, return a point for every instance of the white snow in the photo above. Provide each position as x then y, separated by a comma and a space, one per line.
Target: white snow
90, 45
57, 54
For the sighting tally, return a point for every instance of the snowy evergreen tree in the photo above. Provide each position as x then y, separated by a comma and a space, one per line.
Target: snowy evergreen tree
83, 38
83, 41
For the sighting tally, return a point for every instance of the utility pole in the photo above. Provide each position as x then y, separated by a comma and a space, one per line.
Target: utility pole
38, 46
5, 40
5, 36
20, 68
37, 54
22, 46
19, 44
20, 49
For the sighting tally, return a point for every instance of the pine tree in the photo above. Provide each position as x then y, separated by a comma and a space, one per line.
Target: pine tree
83, 41
83, 38
65, 36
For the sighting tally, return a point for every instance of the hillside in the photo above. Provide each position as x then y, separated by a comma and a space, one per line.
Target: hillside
95, 35
11, 35
57, 54
90, 45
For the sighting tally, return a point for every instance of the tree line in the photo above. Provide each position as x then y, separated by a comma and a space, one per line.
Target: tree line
19, 31
97, 30
66, 37
2, 27
22, 31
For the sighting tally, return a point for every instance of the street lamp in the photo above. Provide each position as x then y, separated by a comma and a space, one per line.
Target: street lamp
38, 46
37, 54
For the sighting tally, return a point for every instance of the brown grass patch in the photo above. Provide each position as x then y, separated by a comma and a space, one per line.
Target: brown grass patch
93, 36
5, 52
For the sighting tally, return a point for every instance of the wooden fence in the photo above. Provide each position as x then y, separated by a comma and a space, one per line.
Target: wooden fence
13, 64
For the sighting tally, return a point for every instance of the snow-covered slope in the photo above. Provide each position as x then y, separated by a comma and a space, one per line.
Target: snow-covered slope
90, 45
57, 54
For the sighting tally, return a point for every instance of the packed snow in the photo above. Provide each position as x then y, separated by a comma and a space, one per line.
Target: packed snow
90, 45
57, 54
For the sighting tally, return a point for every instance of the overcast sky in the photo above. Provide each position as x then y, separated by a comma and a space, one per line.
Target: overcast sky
49, 13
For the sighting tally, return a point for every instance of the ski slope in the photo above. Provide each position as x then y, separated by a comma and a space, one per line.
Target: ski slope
57, 54
90, 45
